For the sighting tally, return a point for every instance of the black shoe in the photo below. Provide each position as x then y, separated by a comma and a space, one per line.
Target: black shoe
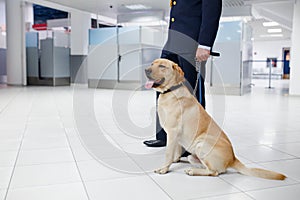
155, 143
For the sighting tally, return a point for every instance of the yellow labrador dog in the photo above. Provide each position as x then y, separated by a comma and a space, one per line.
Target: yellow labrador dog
188, 125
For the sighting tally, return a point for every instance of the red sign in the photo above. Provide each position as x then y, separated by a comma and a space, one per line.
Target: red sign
39, 27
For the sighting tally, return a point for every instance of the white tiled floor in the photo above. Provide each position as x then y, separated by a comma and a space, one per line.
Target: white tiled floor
52, 146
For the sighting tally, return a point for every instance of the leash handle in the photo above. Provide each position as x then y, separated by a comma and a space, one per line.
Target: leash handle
198, 67
217, 54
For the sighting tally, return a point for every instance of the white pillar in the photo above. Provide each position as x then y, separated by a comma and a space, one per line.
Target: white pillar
28, 15
2, 13
15, 42
2, 26
80, 25
295, 52
17, 14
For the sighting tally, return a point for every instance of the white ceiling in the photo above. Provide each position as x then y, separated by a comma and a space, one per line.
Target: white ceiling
280, 11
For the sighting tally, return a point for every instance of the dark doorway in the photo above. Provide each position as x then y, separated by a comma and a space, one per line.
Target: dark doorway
286, 63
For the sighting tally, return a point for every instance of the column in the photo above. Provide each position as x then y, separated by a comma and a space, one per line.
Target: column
80, 25
15, 46
295, 52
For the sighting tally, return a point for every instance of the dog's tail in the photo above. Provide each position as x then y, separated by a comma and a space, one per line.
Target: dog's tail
262, 173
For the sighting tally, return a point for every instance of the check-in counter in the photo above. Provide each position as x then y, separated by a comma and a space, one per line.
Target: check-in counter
48, 60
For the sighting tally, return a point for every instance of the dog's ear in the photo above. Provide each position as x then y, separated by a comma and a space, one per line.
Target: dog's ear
179, 71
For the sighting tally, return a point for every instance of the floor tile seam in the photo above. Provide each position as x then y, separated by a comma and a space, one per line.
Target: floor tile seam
46, 163
141, 168
274, 187
7, 151
227, 182
270, 161
5, 166
31, 138
38, 149
288, 159
19, 149
129, 177
9, 102
220, 195
148, 174
72, 152
45, 185
263, 145
273, 160
281, 151
281, 143
116, 178
32, 150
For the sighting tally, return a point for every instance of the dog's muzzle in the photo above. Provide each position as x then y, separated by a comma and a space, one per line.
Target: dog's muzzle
152, 83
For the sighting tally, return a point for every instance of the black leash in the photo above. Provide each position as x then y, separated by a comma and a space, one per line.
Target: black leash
198, 69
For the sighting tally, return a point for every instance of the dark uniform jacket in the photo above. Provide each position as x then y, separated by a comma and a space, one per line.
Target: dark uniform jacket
192, 22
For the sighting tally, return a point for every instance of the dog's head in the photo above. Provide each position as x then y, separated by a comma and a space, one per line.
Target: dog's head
163, 74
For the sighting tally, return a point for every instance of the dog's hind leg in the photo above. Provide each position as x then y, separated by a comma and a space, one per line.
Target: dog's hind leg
193, 160
201, 172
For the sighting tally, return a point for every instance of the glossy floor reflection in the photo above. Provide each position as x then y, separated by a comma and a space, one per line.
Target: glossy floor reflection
50, 148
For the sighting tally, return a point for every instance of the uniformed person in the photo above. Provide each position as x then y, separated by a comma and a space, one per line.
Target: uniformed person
192, 31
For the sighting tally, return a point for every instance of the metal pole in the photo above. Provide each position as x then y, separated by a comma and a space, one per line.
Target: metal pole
211, 71
119, 56
269, 64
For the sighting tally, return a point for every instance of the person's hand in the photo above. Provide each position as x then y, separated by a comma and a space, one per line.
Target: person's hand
202, 54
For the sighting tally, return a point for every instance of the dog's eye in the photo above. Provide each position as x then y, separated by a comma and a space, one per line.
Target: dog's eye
162, 66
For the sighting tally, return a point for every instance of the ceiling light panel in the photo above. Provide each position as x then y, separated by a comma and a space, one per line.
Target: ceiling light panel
137, 7
275, 30
268, 24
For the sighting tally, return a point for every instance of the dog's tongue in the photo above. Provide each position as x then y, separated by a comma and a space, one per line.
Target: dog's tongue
149, 84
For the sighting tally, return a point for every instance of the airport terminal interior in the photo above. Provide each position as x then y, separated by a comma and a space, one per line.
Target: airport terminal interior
74, 112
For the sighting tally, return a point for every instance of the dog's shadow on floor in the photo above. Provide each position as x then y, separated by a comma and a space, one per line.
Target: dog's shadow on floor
184, 164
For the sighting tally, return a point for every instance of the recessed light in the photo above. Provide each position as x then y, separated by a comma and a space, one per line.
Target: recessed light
137, 7
270, 24
272, 35
275, 30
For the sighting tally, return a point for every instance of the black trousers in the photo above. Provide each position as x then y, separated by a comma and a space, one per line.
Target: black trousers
187, 64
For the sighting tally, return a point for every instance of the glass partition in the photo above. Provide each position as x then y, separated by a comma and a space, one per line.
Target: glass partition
48, 58
118, 55
231, 72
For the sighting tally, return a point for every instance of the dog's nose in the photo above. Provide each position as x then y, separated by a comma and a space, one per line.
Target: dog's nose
148, 71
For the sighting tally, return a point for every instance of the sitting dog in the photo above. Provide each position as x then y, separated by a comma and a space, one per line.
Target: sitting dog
188, 125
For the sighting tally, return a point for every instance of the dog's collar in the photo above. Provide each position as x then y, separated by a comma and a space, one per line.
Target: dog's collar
173, 88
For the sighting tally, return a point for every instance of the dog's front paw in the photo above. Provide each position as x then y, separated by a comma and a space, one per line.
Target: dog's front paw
163, 170
189, 172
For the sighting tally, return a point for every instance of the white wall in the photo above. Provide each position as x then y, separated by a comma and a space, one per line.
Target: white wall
295, 53
80, 25
265, 49
2, 12
2, 23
